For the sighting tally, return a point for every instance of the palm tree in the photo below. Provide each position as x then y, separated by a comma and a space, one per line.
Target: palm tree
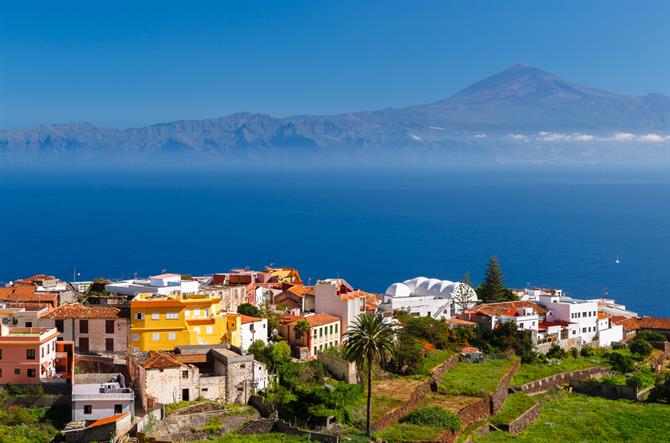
301, 330
369, 340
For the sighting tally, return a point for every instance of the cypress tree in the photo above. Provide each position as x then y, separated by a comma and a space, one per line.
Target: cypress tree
493, 289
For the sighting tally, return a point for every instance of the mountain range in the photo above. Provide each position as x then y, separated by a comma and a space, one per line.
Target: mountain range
520, 114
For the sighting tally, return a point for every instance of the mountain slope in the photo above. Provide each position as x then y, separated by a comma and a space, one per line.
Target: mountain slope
476, 120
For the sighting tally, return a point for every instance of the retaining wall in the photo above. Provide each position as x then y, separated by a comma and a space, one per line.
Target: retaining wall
524, 420
547, 383
612, 392
339, 368
499, 396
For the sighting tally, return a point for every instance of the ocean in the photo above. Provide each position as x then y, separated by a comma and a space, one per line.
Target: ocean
549, 227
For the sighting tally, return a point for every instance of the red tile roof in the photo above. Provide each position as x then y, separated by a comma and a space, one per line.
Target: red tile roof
655, 323
470, 350
104, 421
302, 290
628, 323
504, 307
460, 321
77, 310
602, 315
319, 319
191, 358
249, 319
160, 360
27, 294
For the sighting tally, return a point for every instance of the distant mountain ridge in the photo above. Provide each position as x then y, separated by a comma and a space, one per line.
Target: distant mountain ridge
501, 110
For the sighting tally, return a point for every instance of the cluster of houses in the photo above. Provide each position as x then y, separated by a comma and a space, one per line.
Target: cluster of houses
175, 337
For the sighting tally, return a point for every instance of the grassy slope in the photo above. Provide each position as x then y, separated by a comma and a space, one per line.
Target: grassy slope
515, 405
535, 371
579, 418
273, 437
433, 359
408, 432
474, 379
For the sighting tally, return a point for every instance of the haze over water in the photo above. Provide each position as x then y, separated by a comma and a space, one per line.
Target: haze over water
549, 227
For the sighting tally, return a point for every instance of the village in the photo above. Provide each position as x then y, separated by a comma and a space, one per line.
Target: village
239, 354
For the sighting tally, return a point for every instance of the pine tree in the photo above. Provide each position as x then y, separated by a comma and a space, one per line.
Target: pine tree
493, 289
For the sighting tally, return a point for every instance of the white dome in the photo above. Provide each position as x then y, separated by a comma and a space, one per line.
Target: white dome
398, 290
414, 282
432, 287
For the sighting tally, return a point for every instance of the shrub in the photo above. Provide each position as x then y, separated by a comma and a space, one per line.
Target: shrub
620, 362
574, 352
433, 416
556, 352
587, 351
634, 381
640, 347
248, 309
408, 357
661, 391
650, 336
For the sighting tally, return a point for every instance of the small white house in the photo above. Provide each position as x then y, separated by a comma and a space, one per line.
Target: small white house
164, 284
253, 328
98, 396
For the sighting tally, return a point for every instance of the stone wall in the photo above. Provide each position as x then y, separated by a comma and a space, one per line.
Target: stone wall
475, 412
524, 420
396, 414
282, 426
605, 390
499, 396
547, 383
340, 368
662, 345
439, 371
266, 410
259, 426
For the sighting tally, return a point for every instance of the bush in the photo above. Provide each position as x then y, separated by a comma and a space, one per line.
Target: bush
620, 362
574, 352
650, 336
640, 347
433, 416
248, 309
634, 381
556, 352
587, 351
506, 337
661, 391
408, 357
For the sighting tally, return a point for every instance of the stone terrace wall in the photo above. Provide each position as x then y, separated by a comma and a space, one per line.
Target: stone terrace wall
474, 412
547, 383
500, 395
612, 392
417, 396
524, 420
282, 426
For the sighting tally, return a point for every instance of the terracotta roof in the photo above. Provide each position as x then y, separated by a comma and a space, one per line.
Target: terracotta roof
655, 323
544, 325
503, 308
602, 315
104, 421
314, 320
160, 360
249, 319
26, 294
77, 310
470, 350
33, 279
302, 290
460, 321
628, 323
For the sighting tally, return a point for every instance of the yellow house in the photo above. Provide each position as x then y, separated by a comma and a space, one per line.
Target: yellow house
285, 275
161, 322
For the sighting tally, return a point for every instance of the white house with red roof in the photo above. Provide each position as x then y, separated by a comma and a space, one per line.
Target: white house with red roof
253, 328
336, 297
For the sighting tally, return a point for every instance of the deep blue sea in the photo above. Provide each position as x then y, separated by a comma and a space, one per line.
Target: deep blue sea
548, 227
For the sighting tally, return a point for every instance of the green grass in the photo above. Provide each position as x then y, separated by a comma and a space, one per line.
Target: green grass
273, 437
31, 425
408, 432
515, 405
579, 418
380, 406
474, 379
173, 407
434, 359
534, 371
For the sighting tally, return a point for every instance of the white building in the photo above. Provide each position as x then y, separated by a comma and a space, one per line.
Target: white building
336, 297
98, 396
164, 284
429, 297
253, 328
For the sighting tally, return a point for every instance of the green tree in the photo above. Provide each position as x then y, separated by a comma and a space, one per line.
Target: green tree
408, 357
661, 391
369, 340
493, 289
248, 309
301, 329
257, 348
640, 347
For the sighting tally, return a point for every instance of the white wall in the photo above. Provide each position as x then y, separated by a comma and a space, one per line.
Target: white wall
260, 332
100, 408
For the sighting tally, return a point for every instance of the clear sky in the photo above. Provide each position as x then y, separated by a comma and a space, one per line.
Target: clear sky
120, 64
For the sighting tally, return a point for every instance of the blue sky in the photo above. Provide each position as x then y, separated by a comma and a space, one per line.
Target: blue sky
133, 63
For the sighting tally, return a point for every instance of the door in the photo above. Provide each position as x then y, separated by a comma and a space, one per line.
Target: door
83, 345
109, 344
184, 395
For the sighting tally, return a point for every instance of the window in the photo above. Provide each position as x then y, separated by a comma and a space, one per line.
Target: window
155, 316
31, 373
184, 374
583, 329
136, 337
17, 371
187, 312
320, 332
42, 351
88, 409
109, 326
30, 354
314, 332
29, 324
155, 336
139, 316
83, 326
197, 330
0, 354
209, 330
242, 366
118, 409
172, 336
172, 315
196, 312
336, 325
331, 329
204, 389
0, 372
521, 325
574, 332
109, 344
60, 326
